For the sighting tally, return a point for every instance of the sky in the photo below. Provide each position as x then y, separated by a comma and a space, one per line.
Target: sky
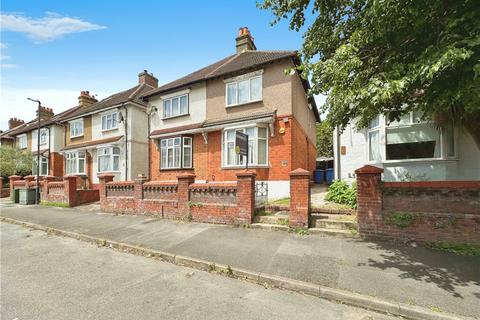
52, 50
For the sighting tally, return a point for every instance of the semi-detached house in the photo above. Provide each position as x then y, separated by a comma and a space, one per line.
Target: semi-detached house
193, 120
108, 136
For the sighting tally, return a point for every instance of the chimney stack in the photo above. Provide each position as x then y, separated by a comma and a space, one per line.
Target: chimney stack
45, 113
148, 79
244, 41
85, 99
14, 122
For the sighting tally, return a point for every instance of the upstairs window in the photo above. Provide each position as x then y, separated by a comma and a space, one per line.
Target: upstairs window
175, 106
43, 136
109, 121
108, 159
22, 141
176, 153
244, 91
76, 128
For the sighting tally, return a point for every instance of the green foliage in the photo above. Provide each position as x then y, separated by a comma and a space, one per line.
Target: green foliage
15, 161
54, 204
458, 248
325, 139
342, 193
400, 219
299, 231
389, 57
281, 202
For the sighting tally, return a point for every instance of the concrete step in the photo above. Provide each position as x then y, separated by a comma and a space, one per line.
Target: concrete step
339, 217
268, 226
334, 232
333, 224
280, 219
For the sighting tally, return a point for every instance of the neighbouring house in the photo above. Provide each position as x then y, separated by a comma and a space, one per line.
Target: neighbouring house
6, 138
108, 136
51, 140
193, 120
410, 149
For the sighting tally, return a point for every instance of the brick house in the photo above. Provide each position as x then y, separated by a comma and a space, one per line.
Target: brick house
108, 136
6, 137
193, 119
24, 136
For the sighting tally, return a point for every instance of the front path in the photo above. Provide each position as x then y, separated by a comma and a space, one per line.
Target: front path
418, 276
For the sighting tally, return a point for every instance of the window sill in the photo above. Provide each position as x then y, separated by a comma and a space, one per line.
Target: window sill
419, 160
73, 137
108, 130
175, 169
113, 171
243, 104
243, 167
174, 117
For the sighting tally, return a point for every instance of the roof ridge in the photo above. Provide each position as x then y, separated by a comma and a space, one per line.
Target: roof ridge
139, 87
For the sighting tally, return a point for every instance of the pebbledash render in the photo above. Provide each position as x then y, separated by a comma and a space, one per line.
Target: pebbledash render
193, 120
108, 136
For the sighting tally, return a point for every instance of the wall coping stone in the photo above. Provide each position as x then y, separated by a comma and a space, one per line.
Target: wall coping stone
368, 169
299, 172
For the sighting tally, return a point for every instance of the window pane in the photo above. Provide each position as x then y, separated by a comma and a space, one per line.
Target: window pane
262, 132
177, 153
256, 88
163, 161
175, 110
116, 163
374, 146
374, 123
231, 135
417, 116
251, 152
163, 143
114, 120
250, 132
243, 91
176, 141
187, 152
104, 122
166, 109
183, 105
404, 120
170, 158
81, 165
231, 93
231, 155
109, 122
416, 142
262, 151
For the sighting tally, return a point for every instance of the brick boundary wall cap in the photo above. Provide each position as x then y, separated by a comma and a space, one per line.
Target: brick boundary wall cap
299, 172
186, 175
368, 169
246, 173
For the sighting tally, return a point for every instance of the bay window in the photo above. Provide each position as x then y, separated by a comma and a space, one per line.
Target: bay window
43, 166
175, 106
257, 147
76, 128
109, 121
108, 159
176, 153
244, 90
75, 163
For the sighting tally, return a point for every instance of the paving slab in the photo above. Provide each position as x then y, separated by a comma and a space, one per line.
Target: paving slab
415, 276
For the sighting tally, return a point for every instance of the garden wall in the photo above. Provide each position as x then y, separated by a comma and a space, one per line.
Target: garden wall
427, 211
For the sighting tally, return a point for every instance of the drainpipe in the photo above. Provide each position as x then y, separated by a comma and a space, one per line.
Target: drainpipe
125, 135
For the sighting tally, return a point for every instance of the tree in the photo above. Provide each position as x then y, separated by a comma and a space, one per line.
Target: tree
324, 139
15, 161
392, 56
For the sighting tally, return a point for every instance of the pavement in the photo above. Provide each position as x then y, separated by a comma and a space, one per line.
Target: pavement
50, 277
415, 276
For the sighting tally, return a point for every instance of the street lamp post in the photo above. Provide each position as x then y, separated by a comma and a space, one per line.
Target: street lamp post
37, 192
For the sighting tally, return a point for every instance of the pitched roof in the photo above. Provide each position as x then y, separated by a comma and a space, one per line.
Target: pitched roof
230, 64
177, 129
130, 95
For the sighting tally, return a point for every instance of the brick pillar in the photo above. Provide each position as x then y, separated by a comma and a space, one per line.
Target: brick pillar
183, 194
369, 198
104, 179
70, 190
12, 179
138, 187
299, 198
28, 179
44, 187
245, 196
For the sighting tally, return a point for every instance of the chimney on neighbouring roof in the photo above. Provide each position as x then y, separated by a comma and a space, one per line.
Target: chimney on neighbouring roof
85, 99
14, 122
148, 79
45, 113
244, 41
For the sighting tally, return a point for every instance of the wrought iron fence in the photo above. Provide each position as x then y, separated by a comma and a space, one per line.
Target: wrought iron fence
261, 193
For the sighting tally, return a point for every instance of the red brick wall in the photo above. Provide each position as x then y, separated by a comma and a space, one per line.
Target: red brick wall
446, 211
283, 156
56, 165
299, 198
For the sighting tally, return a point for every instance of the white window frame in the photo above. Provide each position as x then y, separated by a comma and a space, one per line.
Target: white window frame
76, 133
75, 157
42, 159
22, 141
113, 117
236, 82
43, 133
111, 155
170, 101
253, 162
182, 149
373, 129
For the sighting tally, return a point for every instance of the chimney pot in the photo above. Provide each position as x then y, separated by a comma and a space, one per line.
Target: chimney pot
14, 122
85, 99
244, 41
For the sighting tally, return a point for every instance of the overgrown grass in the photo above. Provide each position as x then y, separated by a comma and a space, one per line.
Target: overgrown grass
54, 204
342, 193
463, 249
281, 202
264, 213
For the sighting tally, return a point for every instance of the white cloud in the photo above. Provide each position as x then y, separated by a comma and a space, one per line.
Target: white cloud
52, 26
15, 103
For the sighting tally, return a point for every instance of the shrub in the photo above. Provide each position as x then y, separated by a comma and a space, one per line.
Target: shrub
342, 193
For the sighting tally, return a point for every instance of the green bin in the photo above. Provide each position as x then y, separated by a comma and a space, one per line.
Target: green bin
27, 196
14, 195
